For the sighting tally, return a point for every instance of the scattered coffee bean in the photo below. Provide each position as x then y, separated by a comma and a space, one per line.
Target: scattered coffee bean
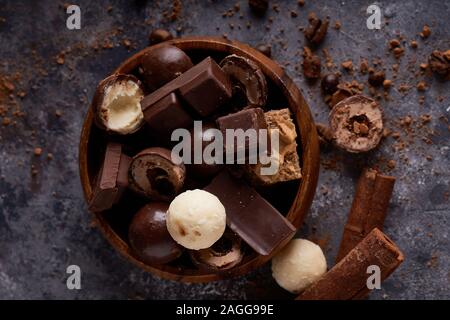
316, 30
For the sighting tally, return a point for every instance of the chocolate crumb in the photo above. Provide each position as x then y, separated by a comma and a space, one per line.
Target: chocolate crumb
391, 164
426, 32
37, 151
413, 44
347, 65
387, 84
422, 86
376, 78
311, 64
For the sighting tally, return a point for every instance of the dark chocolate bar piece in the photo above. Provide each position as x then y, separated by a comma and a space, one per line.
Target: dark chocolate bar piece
167, 115
112, 179
251, 118
209, 88
254, 219
205, 87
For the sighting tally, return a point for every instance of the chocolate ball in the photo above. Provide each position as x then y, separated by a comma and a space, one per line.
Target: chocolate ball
159, 35
203, 170
149, 237
162, 65
330, 83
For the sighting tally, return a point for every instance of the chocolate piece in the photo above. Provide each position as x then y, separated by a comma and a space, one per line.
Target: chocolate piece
159, 35
357, 124
286, 157
259, 7
167, 115
265, 49
348, 279
369, 209
376, 78
163, 64
203, 170
149, 237
343, 92
207, 89
205, 86
311, 64
254, 219
153, 174
247, 119
225, 254
248, 77
116, 104
330, 83
440, 63
316, 30
112, 179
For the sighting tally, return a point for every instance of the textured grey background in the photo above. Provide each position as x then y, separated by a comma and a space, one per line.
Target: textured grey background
44, 225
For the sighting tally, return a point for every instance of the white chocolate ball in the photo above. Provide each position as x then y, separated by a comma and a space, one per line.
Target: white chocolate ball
298, 265
196, 219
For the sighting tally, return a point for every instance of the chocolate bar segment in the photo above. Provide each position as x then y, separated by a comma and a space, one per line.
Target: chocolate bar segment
112, 179
167, 115
207, 89
254, 219
348, 279
251, 118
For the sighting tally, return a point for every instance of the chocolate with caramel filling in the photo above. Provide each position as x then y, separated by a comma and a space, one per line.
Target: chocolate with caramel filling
224, 254
357, 124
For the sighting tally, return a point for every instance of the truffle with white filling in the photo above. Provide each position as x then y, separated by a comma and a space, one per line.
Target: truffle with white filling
116, 104
357, 124
155, 175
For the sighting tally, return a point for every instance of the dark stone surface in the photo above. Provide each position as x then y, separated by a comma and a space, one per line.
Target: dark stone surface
44, 225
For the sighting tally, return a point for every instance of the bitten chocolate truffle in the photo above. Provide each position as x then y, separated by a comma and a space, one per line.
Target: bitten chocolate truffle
153, 174
245, 75
161, 65
222, 255
357, 124
116, 104
149, 237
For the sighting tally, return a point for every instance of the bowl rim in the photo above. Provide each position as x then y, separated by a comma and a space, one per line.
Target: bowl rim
308, 137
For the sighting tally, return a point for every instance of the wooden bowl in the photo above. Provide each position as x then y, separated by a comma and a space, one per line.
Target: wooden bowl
292, 198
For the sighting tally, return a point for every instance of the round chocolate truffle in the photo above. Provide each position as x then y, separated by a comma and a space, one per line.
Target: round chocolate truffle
330, 83
206, 136
357, 124
149, 237
163, 64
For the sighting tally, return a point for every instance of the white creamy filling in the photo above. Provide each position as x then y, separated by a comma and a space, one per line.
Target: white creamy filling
122, 102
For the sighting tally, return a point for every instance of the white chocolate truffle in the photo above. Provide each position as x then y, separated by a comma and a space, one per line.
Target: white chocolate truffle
298, 265
196, 219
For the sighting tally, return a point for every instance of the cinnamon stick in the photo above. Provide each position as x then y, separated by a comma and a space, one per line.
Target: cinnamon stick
348, 279
369, 209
